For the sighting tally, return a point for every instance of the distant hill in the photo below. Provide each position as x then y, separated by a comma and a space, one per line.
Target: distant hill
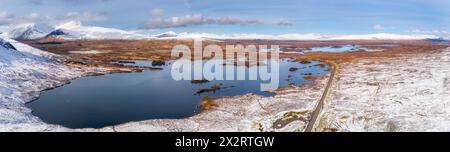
166, 34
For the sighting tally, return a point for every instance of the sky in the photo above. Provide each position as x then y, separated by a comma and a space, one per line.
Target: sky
239, 16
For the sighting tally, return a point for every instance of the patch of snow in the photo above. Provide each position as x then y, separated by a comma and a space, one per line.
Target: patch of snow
408, 93
166, 34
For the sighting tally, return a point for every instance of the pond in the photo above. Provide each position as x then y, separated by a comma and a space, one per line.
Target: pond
385, 45
440, 40
87, 52
281, 51
99, 101
341, 48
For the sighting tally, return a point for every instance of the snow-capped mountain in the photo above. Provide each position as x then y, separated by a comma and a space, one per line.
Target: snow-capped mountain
59, 33
166, 34
69, 30
65, 34
30, 31
75, 30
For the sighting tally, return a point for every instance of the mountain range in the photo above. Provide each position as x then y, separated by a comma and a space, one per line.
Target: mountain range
75, 30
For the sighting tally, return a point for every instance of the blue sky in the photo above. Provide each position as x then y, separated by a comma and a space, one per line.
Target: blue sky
239, 16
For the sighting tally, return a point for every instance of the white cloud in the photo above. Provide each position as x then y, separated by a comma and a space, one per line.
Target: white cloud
282, 22
440, 33
415, 31
229, 20
378, 27
196, 19
179, 21
84, 16
11, 19
6, 18
419, 31
157, 12
32, 18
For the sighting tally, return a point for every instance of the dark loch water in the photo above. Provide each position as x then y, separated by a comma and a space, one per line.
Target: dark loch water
99, 101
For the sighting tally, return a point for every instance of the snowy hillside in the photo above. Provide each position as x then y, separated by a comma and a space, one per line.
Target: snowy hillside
24, 71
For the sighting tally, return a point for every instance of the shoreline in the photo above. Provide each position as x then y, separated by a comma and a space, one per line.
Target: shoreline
106, 70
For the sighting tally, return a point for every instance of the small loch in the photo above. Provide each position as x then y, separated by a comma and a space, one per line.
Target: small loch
100, 101
341, 48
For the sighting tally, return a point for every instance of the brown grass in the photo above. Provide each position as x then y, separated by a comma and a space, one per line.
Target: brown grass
207, 103
115, 50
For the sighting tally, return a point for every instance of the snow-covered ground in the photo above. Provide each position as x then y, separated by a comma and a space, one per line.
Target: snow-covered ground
24, 72
409, 93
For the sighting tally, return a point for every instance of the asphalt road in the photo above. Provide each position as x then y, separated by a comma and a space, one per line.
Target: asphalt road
319, 106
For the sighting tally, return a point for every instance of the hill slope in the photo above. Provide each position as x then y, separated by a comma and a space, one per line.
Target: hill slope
24, 72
